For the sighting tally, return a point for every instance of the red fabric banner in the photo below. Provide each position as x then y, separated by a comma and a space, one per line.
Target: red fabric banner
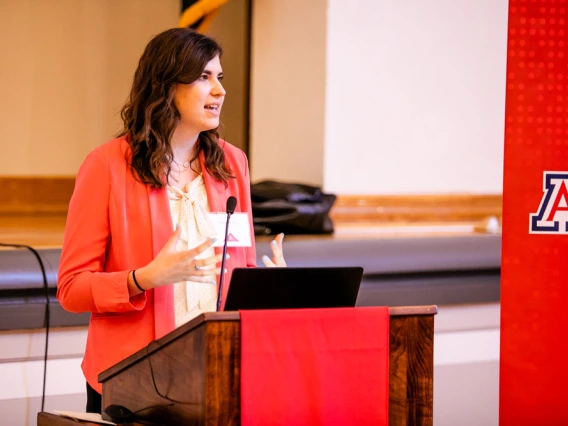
534, 293
315, 367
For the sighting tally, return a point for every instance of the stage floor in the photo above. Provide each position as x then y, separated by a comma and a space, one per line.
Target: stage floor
47, 230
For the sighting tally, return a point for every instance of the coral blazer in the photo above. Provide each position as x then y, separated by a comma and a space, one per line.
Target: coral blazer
115, 224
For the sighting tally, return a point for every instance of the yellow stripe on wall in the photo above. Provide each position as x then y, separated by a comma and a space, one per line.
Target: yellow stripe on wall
206, 9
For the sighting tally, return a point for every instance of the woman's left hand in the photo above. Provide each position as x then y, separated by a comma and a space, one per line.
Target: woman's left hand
277, 253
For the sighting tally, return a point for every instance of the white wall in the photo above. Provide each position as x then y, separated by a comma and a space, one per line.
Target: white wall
414, 95
21, 370
466, 365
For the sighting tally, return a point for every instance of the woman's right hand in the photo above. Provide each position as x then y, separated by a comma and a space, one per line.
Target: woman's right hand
171, 266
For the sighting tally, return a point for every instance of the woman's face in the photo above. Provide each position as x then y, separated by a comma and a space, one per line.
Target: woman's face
199, 103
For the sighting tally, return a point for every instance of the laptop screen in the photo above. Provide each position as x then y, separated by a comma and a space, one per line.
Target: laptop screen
289, 288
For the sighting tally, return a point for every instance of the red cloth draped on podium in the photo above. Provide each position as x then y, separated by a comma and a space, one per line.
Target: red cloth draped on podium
315, 366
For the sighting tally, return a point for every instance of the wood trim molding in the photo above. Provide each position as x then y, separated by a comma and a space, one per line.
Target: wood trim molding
37, 195
415, 208
51, 195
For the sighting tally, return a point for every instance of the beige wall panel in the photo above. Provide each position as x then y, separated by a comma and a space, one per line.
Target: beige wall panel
66, 70
288, 90
231, 29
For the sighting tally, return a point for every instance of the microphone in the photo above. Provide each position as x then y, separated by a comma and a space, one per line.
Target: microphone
231, 204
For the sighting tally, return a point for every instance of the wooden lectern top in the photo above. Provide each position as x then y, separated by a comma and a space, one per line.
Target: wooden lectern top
229, 316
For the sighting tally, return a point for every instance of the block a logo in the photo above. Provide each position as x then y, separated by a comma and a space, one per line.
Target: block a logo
552, 215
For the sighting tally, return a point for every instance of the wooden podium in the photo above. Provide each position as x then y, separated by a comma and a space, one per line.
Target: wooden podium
198, 366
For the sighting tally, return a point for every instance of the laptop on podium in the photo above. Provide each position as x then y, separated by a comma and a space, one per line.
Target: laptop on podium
290, 288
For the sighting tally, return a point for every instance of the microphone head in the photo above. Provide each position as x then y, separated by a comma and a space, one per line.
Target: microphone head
231, 204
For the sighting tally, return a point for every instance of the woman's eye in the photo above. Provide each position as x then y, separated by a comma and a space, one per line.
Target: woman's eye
204, 76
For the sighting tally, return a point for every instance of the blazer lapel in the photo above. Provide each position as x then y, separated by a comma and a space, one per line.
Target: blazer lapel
162, 229
217, 196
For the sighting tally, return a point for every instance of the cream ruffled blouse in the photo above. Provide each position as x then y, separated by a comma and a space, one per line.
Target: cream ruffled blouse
189, 208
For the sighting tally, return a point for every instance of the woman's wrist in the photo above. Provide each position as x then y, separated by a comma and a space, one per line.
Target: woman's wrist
144, 277
136, 283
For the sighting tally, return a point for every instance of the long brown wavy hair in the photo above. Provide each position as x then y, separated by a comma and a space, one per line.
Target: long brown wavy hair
175, 56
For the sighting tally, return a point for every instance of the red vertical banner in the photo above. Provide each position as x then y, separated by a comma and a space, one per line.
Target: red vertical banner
534, 287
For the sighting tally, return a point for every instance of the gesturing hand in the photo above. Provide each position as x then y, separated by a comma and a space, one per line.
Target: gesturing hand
171, 266
277, 253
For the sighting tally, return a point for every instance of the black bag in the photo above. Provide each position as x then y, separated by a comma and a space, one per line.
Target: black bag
291, 208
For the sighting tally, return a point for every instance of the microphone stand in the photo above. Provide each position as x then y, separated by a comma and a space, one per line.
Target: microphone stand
231, 204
